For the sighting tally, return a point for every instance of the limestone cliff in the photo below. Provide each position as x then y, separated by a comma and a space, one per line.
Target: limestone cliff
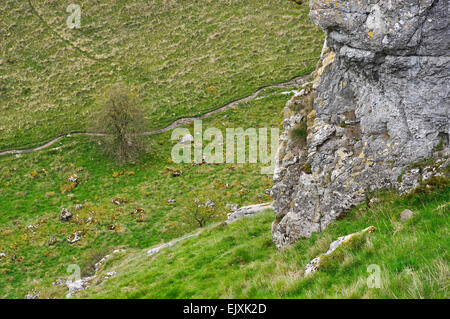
379, 103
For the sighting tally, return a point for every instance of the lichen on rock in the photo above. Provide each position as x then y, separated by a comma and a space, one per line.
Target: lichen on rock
381, 102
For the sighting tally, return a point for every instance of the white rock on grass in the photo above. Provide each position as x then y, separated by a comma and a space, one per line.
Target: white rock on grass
75, 237
33, 295
65, 214
247, 211
314, 264
406, 214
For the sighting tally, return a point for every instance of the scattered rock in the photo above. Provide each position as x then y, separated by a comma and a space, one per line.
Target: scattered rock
65, 214
32, 228
406, 214
83, 283
2, 255
75, 237
314, 264
79, 206
33, 295
52, 241
248, 211
232, 207
77, 285
171, 200
177, 172
209, 203
73, 178
118, 201
109, 275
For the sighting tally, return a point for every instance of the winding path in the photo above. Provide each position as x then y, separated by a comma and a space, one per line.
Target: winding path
296, 81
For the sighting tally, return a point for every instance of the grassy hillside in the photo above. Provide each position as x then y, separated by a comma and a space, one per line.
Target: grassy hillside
34, 188
240, 261
183, 59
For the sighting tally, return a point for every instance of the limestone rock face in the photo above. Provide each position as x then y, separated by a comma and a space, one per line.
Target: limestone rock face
381, 102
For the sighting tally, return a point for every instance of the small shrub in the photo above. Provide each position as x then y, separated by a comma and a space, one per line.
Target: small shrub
201, 211
307, 168
88, 263
299, 133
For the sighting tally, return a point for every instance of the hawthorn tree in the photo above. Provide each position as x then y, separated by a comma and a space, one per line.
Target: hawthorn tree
122, 122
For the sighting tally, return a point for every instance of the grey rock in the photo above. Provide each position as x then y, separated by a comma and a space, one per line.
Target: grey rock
209, 203
32, 228
65, 214
314, 264
406, 214
232, 207
248, 211
2, 255
52, 241
78, 285
75, 237
158, 248
32, 295
381, 102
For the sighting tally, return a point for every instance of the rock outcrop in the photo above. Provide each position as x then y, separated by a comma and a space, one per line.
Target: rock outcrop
381, 102
314, 264
247, 211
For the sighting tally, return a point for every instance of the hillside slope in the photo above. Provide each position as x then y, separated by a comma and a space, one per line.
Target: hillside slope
181, 59
240, 260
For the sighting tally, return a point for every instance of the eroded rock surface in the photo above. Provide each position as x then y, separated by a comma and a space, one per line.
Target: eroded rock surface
381, 102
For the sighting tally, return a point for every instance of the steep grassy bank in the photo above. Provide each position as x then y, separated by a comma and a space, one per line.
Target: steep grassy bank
240, 261
35, 186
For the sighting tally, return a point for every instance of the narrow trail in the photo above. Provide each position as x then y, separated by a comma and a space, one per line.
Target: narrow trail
296, 81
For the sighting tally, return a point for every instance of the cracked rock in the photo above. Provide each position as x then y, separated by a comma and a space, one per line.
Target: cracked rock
381, 103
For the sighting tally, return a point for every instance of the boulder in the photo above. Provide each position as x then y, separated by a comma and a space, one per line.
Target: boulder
248, 211
406, 214
75, 237
65, 214
314, 264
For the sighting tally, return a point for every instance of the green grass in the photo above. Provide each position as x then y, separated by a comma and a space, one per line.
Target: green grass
182, 59
240, 261
27, 200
